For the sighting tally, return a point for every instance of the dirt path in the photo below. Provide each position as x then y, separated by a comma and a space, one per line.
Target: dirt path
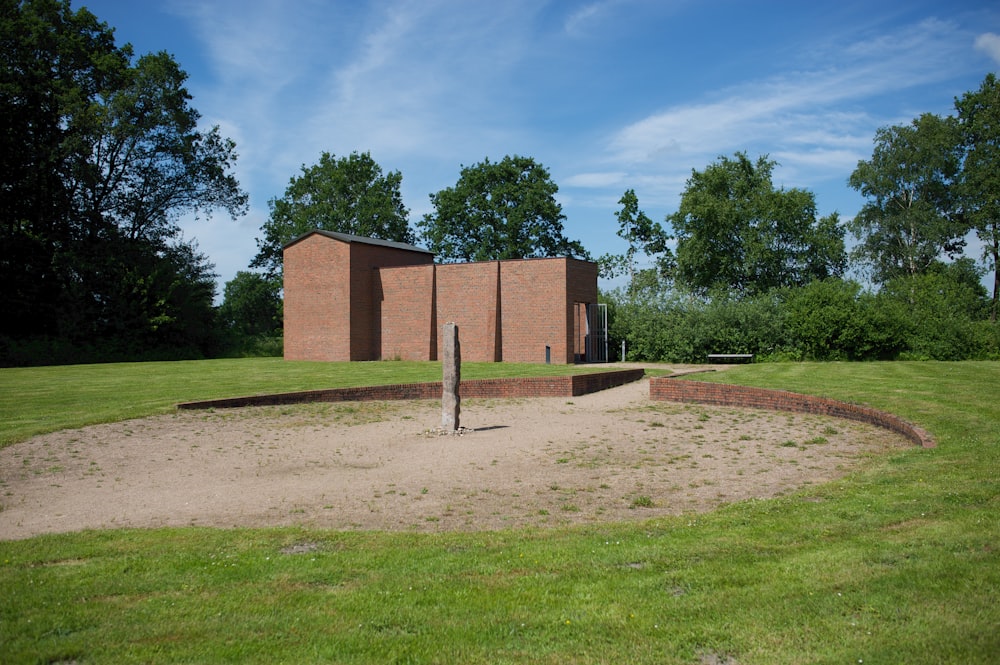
612, 455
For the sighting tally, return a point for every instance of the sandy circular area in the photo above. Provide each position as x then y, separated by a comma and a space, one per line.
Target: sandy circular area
609, 456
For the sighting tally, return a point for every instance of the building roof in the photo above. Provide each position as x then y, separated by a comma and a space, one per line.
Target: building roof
348, 238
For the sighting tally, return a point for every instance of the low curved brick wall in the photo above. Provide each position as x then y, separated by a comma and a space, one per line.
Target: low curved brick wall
721, 394
550, 386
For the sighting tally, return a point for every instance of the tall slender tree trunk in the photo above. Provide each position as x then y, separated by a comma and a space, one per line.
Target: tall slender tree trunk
996, 281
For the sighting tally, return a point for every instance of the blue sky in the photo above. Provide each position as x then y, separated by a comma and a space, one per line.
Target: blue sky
607, 95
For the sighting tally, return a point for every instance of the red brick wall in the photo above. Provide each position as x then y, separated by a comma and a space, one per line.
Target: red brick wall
554, 386
534, 311
405, 298
721, 394
546, 291
365, 317
355, 301
330, 304
317, 300
467, 297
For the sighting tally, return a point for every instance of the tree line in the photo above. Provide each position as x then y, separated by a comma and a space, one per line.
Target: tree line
100, 155
103, 154
745, 267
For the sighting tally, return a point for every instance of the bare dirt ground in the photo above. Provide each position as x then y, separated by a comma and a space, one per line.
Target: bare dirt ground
609, 456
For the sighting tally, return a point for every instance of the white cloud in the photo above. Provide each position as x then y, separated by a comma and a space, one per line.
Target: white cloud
801, 118
597, 16
587, 15
422, 79
260, 44
989, 44
839, 161
613, 178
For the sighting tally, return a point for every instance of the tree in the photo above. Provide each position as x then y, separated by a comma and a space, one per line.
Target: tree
251, 305
736, 233
945, 306
910, 219
979, 180
100, 157
346, 195
642, 235
503, 210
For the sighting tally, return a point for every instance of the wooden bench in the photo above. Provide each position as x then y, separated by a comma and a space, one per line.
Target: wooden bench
730, 357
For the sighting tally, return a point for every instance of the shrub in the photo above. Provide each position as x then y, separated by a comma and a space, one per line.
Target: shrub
833, 319
944, 314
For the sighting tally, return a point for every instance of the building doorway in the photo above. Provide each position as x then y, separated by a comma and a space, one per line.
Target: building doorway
596, 341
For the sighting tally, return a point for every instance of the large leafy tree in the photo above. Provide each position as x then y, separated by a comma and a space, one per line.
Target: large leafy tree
910, 220
739, 235
251, 305
979, 180
347, 195
643, 235
502, 210
100, 156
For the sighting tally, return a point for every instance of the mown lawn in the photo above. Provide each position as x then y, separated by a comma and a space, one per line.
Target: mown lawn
896, 563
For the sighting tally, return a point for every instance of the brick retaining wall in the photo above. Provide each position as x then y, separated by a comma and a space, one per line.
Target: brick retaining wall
721, 394
550, 386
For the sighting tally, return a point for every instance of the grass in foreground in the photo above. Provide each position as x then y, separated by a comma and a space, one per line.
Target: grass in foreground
895, 563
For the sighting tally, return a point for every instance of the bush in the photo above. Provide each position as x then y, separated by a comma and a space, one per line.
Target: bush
668, 327
41, 351
726, 325
253, 346
944, 312
938, 316
833, 319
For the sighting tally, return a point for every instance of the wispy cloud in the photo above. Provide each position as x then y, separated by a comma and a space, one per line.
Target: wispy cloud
595, 16
261, 44
589, 16
607, 179
423, 78
989, 44
418, 84
811, 121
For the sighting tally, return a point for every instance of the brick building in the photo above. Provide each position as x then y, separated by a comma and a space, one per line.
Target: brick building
354, 298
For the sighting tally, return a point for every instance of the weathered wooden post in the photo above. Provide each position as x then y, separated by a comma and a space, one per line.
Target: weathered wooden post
452, 376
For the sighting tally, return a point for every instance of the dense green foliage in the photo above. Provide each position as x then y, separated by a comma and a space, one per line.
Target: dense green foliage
937, 316
911, 218
251, 315
100, 155
979, 180
755, 272
347, 195
502, 210
896, 562
737, 234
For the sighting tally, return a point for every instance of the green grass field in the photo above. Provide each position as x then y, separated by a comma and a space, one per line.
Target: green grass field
896, 563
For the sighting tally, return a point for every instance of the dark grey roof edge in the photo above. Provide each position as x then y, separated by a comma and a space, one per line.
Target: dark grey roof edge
347, 237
